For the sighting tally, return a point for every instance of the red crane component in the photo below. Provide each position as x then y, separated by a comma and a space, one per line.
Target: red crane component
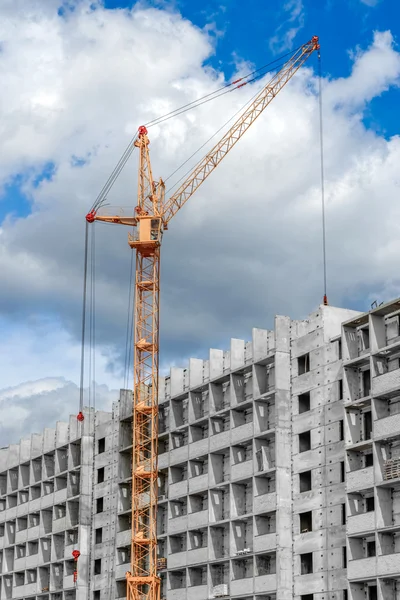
76, 554
91, 216
142, 130
152, 215
80, 416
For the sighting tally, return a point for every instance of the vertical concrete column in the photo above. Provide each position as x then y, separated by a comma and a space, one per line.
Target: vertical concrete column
83, 590
260, 343
111, 530
237, 353
195, 372
283, 458
216, 358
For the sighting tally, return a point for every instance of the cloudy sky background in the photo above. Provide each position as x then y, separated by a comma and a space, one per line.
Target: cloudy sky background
77, 81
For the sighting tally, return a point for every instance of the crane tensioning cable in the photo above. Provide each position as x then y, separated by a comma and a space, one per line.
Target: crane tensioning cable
150, 219
229, 87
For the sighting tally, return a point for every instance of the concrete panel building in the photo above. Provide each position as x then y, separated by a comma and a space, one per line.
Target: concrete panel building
266, 451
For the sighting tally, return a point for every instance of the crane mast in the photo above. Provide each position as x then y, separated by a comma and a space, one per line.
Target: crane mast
151, 218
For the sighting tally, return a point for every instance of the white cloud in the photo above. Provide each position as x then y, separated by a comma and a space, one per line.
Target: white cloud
368, 79
247, 246
290, 27
32, 406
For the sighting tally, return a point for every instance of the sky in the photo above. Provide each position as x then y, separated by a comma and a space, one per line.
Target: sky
79, 77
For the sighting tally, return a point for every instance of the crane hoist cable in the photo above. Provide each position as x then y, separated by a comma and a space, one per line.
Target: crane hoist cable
88, 322
321, 139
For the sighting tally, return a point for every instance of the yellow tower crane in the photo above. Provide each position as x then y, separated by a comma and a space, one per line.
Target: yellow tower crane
152, 215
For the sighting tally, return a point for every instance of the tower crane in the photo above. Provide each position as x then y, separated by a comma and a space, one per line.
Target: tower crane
151, 218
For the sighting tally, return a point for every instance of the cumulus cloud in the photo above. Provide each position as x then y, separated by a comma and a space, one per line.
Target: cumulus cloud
30, 407
247, 246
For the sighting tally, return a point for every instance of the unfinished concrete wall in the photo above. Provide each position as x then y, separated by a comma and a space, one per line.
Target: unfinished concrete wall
45, 513
371, 352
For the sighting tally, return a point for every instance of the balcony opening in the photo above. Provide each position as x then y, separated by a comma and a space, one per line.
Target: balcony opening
99, 535
366, 383
372, 592
367, 425
198, 502
33, 548
265, 564
340, 389
304, 403
370, 504
99, 505
178, 508
305, 522
344, 557
198, 576
305, 481
179, 439
101, 445
305, 441
198, 539
100, 475
303, 364
371, 549
343, 514
96, 595
265, 523
345, 594
307, 597
177, 579
369, 459
364, 334
242, 568
177, 543
178, 473
97, 566
306, 563
163, 419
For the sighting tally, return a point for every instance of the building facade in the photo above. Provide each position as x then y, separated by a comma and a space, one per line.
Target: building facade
279, 475
371, 388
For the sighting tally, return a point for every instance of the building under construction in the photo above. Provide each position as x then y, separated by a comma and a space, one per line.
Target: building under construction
279, 476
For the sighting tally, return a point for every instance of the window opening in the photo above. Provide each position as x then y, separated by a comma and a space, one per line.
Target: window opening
100, 475
306, 563
305, 481
303, 364
304, 441
304, 403
305, 522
